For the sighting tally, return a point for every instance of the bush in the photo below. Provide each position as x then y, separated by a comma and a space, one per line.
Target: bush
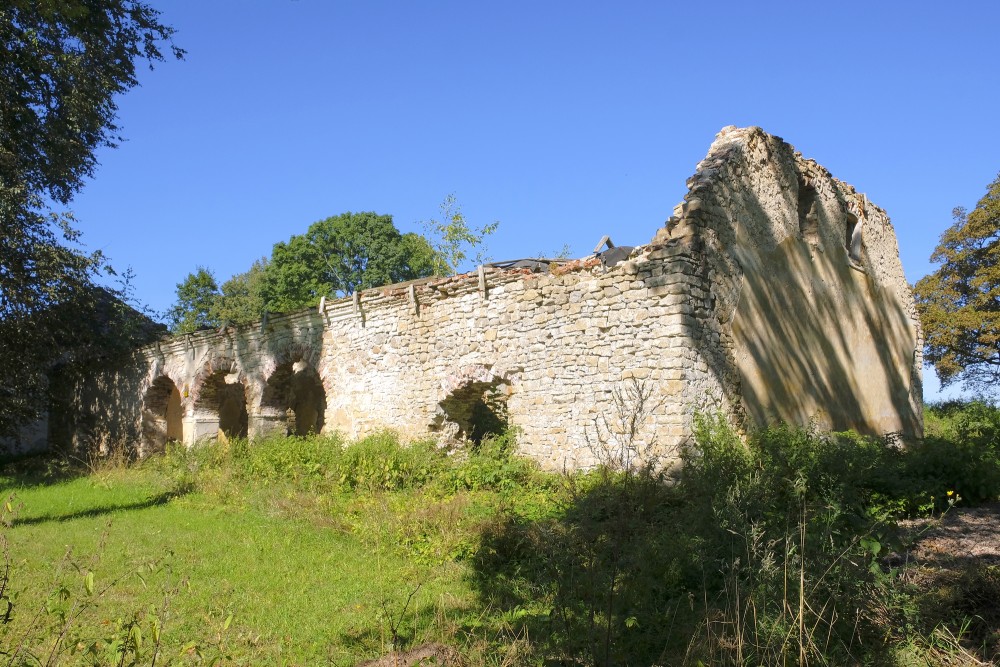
756, 552
786, 529
492, 465
380, 463
960, 453
311, 463
307, 461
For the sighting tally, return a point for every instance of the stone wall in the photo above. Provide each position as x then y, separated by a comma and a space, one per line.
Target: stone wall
817, 318
754, 300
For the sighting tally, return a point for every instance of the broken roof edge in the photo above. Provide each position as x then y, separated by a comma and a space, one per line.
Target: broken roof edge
728, 146
437, 285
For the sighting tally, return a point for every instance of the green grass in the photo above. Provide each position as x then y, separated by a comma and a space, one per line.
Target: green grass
302, 551
301, 590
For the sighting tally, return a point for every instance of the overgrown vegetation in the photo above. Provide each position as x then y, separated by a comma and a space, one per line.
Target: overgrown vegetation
306, 550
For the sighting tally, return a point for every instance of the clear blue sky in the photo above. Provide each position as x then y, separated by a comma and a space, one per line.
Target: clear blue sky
564, 121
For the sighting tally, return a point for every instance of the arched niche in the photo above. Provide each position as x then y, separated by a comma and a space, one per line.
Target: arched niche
226, 399
162, 415
294, 399
474, 405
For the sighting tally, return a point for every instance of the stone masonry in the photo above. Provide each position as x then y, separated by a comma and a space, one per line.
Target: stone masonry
774, 292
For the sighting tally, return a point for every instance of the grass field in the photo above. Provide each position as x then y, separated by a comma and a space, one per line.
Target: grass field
306, 551
301, 586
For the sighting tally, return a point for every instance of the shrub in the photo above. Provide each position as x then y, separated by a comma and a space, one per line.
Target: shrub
380, 463
785, 530
490, 465
307, 461
960, 453
311, 463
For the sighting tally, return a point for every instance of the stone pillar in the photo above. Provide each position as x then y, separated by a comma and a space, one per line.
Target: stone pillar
268, 421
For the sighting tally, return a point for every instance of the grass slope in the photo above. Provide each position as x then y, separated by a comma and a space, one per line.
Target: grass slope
305, 551
299, 591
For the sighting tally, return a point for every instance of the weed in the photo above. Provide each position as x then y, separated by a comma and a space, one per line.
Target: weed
62, 625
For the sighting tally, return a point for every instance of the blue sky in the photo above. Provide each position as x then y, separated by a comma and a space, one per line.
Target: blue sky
564, 121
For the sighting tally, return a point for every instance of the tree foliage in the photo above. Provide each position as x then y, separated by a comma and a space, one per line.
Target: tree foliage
959, 304
39, 279
341, 255
197, 303
242, 297
334, 258
202, 304
62, 65
452, 238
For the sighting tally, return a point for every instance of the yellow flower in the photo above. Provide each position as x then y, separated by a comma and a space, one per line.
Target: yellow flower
951, 493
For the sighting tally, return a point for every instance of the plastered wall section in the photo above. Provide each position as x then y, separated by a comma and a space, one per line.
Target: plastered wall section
810, 334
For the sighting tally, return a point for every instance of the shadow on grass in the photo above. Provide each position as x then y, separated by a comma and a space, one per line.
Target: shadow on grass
635, 570
154, 501
604, 582
42, 469
421, 625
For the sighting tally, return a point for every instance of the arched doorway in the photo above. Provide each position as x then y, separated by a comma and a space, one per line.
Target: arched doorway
294, 396
161, 415
227, 399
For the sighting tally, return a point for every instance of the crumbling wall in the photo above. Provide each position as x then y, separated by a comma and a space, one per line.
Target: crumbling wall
817, 321
774, 292
555, 347
98, 409
32, 438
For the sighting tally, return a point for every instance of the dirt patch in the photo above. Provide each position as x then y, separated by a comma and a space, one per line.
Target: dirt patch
965, 535
427, 654
953, 566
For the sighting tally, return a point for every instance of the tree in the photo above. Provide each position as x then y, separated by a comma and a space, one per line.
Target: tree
62, 65
242, 297
959, 304
197, 303
452, 238
420, 257
341, 255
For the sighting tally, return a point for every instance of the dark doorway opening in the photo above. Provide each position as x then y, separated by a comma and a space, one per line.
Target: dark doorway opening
296, 390
808, 213
228, 400
474, 411
161, 415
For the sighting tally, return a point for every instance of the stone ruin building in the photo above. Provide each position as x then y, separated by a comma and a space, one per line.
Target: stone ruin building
773, 292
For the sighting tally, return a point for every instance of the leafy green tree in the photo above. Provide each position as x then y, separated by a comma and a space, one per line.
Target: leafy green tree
420, 257
959, 304
63, 64
242, 297
452, 238
341, 255
197, 303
